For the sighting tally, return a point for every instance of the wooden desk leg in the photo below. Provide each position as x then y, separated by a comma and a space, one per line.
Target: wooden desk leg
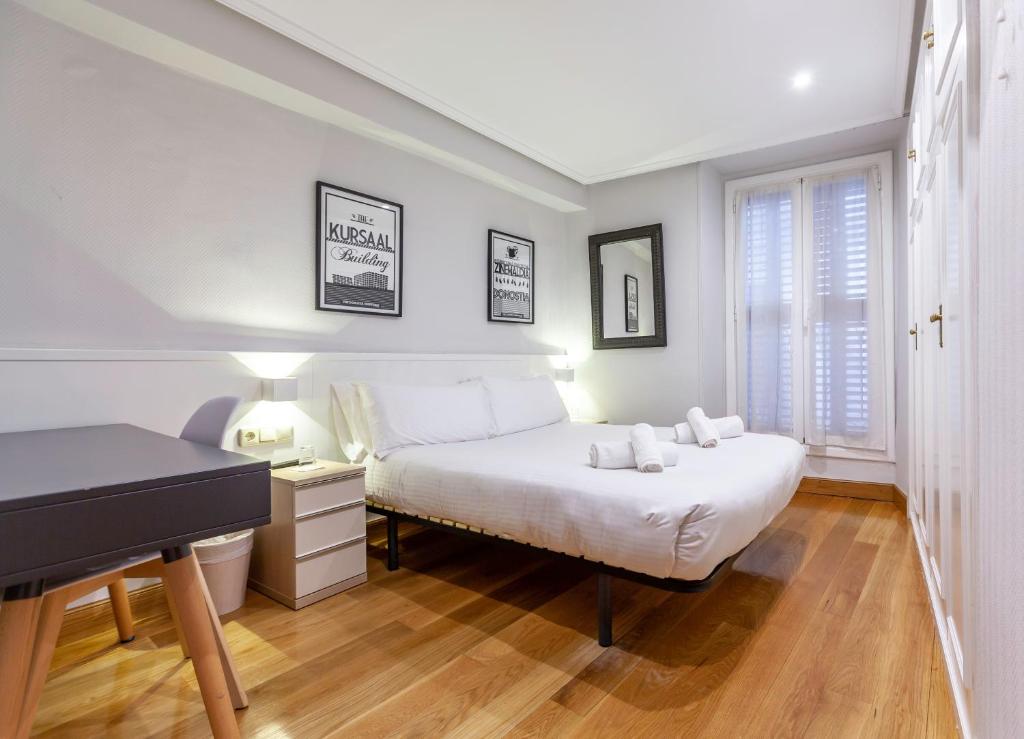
238, 697
122, 610
19, 616
50, 620
184, 581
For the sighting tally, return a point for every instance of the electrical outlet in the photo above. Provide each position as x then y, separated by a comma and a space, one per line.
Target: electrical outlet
261, 435
248, 437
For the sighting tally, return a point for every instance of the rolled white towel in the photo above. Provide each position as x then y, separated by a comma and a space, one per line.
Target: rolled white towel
705, 431
645, 448
618, 455
729, 427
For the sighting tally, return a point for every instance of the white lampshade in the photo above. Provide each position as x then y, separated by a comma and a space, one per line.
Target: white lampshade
277, 389
567, 374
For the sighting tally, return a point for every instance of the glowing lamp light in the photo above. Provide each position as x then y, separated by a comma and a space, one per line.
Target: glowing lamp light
802, 80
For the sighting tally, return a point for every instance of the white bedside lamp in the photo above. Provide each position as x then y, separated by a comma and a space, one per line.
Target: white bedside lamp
279, 389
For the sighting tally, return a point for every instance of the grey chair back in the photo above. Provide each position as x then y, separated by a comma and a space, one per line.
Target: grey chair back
208, 424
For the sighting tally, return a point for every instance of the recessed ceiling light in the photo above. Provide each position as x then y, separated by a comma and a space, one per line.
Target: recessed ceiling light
802, 80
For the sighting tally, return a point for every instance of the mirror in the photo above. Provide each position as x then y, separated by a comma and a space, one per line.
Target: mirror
627, 288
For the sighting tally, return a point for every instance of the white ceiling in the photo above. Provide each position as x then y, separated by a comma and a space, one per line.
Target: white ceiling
599, 89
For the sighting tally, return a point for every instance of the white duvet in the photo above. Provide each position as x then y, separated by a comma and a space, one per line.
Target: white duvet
536, 487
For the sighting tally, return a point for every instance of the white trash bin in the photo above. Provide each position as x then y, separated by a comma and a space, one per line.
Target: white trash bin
225, 563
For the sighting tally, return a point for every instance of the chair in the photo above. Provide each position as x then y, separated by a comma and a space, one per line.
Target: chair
206, 426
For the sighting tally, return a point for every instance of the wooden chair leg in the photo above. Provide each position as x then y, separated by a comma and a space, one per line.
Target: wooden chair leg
181, 574
19, 618
122, 610
238, 697
155, 568
50, 620
182, 642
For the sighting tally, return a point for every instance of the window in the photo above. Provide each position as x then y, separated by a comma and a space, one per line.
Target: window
811, 301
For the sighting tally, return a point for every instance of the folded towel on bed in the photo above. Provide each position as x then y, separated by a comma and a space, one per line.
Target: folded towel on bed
705, 431
618, 455
645, 448
728, 427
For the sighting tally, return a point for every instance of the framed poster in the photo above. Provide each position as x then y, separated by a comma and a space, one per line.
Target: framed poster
358, 252
509, 278
632, 304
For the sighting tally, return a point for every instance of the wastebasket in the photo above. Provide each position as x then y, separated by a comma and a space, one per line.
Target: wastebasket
225, 563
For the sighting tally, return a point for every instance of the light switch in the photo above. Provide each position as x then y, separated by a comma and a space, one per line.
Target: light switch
268, 435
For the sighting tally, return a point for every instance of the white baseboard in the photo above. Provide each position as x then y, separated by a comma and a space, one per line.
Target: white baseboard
946, 639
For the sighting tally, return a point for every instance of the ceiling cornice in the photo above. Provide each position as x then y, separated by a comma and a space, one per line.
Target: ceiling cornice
261, 14
136, 38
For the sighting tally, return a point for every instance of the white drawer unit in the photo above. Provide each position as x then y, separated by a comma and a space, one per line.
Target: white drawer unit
315, 544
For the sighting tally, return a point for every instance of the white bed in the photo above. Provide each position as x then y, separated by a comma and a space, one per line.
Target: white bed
536, 487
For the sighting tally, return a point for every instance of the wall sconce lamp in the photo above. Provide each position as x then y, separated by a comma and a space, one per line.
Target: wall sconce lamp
278, 389
567, 374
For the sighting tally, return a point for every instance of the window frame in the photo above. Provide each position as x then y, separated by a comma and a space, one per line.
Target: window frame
735, 295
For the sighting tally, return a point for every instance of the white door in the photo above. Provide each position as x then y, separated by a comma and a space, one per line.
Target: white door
954, 361
941, 254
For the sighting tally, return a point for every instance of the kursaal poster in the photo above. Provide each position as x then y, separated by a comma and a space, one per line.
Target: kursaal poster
510, 278
358, 252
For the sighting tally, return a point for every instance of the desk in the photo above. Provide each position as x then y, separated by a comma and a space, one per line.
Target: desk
73, 501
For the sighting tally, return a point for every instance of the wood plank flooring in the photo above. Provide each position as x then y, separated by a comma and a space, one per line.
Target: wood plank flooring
823, 629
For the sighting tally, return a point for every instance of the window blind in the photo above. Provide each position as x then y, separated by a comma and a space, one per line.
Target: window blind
815, 353
767, 229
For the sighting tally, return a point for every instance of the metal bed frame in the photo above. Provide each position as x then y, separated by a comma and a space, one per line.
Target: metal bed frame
605, 572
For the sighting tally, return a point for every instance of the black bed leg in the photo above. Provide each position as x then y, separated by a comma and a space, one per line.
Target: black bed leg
604, 609
392, 542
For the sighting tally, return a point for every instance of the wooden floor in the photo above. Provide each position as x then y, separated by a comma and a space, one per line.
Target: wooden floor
822, 629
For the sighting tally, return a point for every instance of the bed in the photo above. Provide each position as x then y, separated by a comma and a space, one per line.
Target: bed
677, 530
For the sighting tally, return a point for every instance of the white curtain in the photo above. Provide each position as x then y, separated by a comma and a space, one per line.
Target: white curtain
845, 366
766, 241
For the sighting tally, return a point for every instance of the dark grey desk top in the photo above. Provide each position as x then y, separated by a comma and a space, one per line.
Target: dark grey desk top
60, 465
75, 499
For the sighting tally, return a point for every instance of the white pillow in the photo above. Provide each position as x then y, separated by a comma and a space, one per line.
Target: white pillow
350, 422
406, 415
521, 404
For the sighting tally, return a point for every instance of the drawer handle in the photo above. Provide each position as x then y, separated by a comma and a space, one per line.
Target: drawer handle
305, 485
331, 548
332, 509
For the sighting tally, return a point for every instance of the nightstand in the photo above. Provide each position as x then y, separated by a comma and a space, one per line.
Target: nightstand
315, 544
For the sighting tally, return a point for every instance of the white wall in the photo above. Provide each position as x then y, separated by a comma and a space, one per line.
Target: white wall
999, 605
711, 309
656, 385
142, 208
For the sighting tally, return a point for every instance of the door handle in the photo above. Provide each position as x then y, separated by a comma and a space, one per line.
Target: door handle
913, 332
937, 317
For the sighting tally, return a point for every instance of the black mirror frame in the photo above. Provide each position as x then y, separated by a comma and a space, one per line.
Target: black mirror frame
660, 338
